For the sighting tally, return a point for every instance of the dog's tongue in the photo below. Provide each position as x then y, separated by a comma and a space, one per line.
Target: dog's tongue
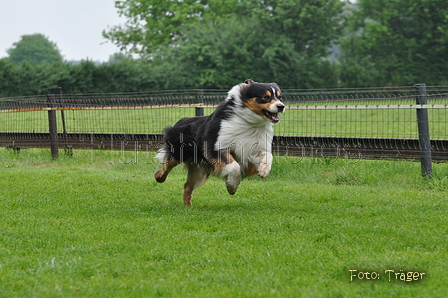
274, 117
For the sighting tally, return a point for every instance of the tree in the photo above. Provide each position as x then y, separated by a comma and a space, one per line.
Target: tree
310, 24
8, 80
29, 78
223, 54
36, 49
210, 44
397, 42
152, 23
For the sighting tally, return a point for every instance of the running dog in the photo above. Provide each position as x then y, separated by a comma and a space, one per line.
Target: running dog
233, 142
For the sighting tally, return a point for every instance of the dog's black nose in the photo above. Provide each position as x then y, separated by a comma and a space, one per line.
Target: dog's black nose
280, 108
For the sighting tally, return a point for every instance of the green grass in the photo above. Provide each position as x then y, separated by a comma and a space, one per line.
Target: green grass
98, 225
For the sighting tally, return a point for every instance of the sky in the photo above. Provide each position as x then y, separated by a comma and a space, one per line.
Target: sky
75, 26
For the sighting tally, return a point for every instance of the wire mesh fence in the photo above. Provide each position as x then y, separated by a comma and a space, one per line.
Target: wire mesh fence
370, 113
107, 113
373, 113
379, 113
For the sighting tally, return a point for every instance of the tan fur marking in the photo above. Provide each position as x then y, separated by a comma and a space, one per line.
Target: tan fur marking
261, 153
278, 94
252, 105
220, 164
268, 93
197, 176
257, 108
251, 169
188, 193
166, 168
248, 82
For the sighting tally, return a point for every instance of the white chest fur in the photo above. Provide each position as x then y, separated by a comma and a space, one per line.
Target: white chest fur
243, 140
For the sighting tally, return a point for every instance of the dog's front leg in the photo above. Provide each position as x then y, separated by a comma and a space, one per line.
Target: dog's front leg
229, 169
263, 162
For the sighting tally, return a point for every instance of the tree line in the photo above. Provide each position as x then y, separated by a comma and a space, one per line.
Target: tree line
85, 77
301, 44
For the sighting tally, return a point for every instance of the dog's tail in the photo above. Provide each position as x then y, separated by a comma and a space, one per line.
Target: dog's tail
162, 153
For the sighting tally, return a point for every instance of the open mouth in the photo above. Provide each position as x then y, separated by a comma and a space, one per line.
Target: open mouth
273, 117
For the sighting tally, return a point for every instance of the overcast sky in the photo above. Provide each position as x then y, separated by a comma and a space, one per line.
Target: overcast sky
75, 26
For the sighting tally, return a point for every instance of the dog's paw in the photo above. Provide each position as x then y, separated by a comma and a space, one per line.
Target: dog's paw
159, 176
232, 184
264, 169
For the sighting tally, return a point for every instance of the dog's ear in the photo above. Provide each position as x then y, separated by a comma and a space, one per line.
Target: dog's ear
249, 82
274, 84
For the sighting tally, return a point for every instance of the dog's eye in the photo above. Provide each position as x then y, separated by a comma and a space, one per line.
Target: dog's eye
266, 97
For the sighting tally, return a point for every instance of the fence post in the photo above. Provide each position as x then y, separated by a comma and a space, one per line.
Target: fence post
68, 149
199, 94
423, 132
53, 127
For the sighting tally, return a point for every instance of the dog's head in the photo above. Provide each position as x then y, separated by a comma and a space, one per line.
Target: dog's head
263, 99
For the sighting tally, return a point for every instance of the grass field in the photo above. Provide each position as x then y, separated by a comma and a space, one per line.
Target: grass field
98, 225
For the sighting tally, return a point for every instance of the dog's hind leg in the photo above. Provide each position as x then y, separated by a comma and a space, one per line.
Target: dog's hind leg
166, 168
188, 192
197, 175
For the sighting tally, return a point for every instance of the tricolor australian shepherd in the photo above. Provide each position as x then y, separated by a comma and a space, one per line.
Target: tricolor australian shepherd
233, 142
